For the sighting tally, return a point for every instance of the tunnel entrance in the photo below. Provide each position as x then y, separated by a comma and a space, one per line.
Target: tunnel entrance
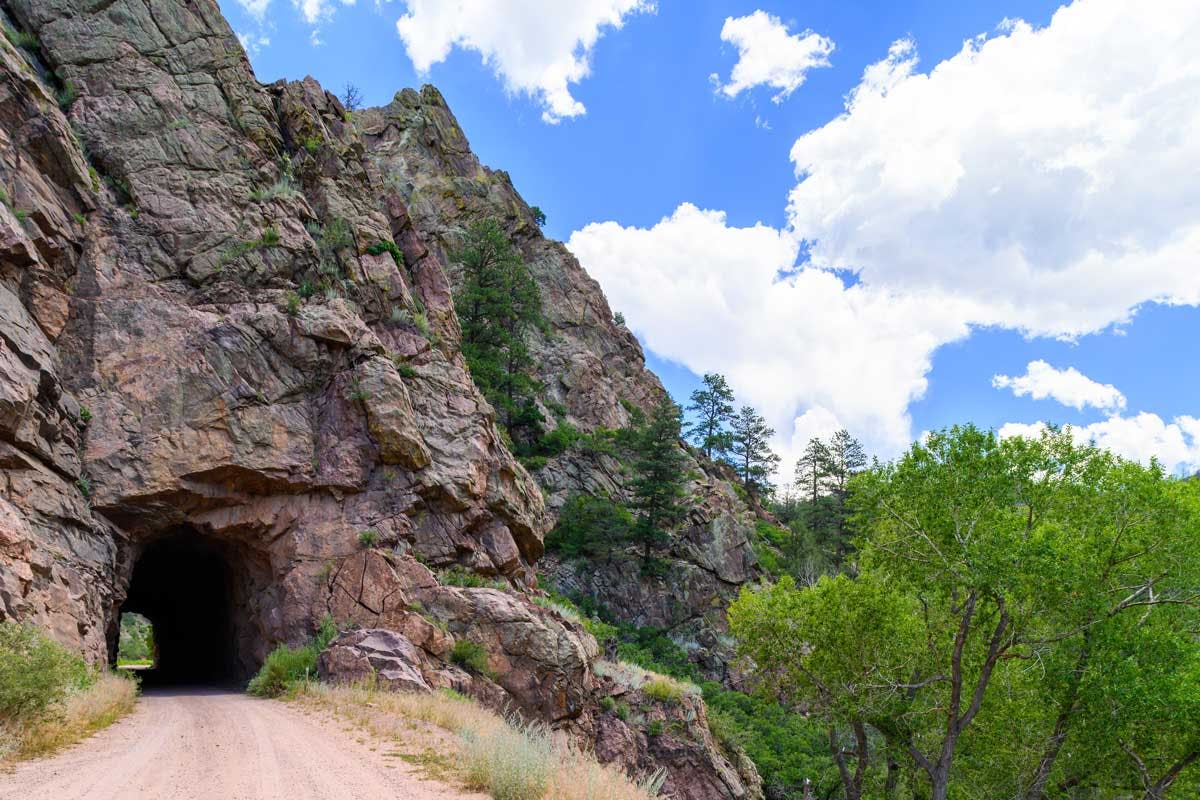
183, 584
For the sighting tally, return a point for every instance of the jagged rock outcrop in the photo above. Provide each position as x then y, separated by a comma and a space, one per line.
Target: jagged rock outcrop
539, 663
592, 371
207, 336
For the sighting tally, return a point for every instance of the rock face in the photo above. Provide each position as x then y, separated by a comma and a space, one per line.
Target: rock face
226, 319
593, 373
539, 663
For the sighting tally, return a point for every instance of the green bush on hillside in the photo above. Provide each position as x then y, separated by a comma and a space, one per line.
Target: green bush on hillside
471, 655
286, 665
36, 672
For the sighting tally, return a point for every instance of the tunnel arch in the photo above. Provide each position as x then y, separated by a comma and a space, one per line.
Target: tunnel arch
191, 587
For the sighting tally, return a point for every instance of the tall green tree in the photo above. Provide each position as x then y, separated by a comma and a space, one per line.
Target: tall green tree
658, 487
1041, 638
712, 406
750, 451
811, 476
844, 458
498, 304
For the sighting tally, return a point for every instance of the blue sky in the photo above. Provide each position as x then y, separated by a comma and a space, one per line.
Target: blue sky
960, 226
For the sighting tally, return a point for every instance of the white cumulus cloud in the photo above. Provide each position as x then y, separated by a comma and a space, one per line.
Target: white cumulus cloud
1141, 437
1037, 173
314, 11
809, 352
1068, 386
537, 47
253, 43
255, 8
769, 55
1040, 180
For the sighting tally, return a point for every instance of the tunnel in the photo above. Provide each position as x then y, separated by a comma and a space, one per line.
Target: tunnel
183, 583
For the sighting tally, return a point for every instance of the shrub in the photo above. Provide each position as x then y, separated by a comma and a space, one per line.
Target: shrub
509, 767
471, 655
327, 631
600, 629
504, 757
280, 188
368, 538
664, 689
619, 318
564, 608
293, 304
608, 704
67, 96
36, 672
655, 728
83, 712
84, 485
270, 236
533, 463
284, 666
25, 41
457, 576
589, 526
406, 370
85, 415
539, 216
387, 247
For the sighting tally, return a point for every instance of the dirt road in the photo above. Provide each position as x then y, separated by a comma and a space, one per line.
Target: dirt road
213, 745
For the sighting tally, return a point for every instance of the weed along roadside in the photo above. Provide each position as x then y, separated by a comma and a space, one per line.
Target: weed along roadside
449, 735
50, 698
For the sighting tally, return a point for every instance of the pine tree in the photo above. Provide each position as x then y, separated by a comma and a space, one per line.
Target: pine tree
713, 407
844, 458
658, 488
811, 478
810, 470
497, 306
750, 450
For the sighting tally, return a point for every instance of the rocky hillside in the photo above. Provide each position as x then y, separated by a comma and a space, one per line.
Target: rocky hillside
226, 317
592, 372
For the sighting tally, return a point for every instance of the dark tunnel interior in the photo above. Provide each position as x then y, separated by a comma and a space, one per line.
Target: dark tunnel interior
183, 584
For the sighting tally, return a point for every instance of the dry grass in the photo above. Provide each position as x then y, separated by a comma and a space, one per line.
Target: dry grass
81, 714
562, 609
660, 687
507, 758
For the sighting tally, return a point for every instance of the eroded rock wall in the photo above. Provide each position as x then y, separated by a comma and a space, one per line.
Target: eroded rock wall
206, 201
592, 371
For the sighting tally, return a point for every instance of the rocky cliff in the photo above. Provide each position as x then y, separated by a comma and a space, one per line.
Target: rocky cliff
592, 371
226, 319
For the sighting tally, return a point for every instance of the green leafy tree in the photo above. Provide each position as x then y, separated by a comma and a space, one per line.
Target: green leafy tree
712, 406
136, 638
658, 487
750, 451
822, 649
498, 305
1017, 600
590, 527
